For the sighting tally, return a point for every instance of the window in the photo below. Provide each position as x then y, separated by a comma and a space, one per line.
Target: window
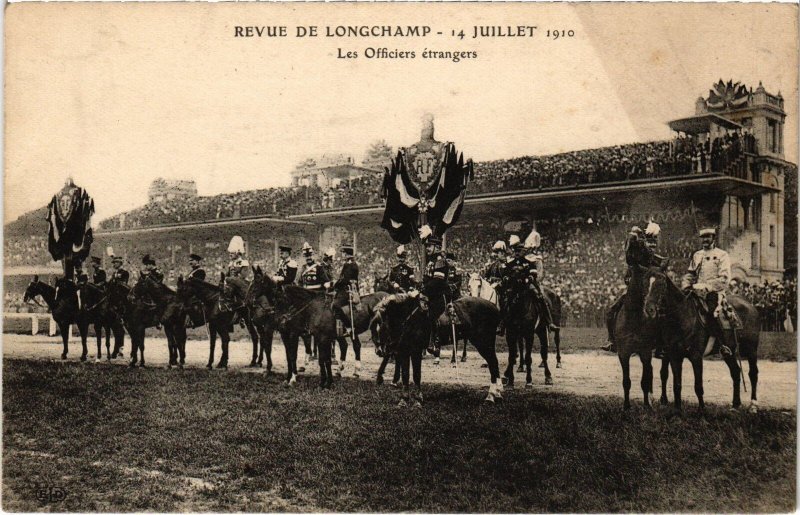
754, 255
772, 136
771, 235
773, 202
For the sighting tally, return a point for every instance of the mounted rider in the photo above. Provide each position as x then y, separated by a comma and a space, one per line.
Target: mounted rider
522, 270
98, 274
151, 270
238, 266
287, 268
119, 275
197, 271
313, 276
493, 273
708, 277
346, 288
648, 258
455, 276
532, 243
327, 261
195, 316
401, 276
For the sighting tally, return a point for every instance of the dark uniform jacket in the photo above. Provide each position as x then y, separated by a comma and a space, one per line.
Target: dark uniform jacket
198, 274
493, 271
348, 276
403, 275
156, 274
120, 275
639, 254
516, 272
314, 277
99, 277
287, 270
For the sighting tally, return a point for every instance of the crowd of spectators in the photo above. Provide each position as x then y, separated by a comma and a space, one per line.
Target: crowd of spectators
26, 251
684, 155
776, 301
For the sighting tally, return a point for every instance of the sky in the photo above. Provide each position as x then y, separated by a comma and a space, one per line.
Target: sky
117, 95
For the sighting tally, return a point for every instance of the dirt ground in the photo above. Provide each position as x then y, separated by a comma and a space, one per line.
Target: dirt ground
582, 373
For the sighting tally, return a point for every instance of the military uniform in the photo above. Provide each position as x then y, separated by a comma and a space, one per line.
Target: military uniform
403, 275
99, 277
120, 275
195, 315
493, 271
197, 273
238, 267
313, 277
287, 271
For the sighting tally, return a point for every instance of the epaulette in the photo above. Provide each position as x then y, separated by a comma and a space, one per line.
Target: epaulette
291, 263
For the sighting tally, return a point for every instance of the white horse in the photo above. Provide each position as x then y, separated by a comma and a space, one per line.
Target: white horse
481, 288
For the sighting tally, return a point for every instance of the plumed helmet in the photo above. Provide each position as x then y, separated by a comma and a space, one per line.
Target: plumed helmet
499, 245
533, 240
330, 253
652, 230
236, 245
514, 241
147, 260
401, 251
306, 246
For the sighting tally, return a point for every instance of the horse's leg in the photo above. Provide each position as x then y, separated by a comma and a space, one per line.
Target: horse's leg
624, 361
119, 338
180, 336
134, 334
98, 334
416, 362
83, 329
557, 341
664, 378
141, 347
488, 353
528, 360
544, 342
733, 368
382, 368
647, 377
212, 343
752, 371
65, 329
107, 329
254, 337
226, 338
520, 343
676, 362
697, 367
404, 358
396, 375
357, 353
291, 356
170, 346
512, 358
342, 341
266, 341
323, 358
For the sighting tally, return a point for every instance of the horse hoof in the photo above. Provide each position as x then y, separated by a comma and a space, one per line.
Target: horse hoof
379, 380
142, 365
395, 384
541, 365
222, 365
436, 361
664, 401
558, 365
529, 385
169, 366
489, 398
98, 359
753, 408
548, 380
83, 358
520, 369
463, 359
210, 366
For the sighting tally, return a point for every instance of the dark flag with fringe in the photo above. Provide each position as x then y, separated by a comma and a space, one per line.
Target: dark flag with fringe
69, 215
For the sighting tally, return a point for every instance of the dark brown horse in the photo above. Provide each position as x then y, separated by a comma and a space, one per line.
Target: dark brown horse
237, 292
95, 311
171, 314
62, 301
138, 313
218, 316
262, 316
685, 334
298, 311
364, 312
524, 320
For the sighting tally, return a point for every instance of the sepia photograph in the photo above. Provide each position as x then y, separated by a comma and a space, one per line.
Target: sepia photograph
400, 257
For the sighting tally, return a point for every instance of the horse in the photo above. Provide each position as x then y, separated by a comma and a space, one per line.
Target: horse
261, 315
298, 311
685, 335
95, 311
364, 313
237, 290
218, 317
138, 313
171, 314
523, 321
62, 301
382, 283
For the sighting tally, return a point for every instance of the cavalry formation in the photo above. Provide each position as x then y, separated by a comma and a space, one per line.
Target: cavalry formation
407, 317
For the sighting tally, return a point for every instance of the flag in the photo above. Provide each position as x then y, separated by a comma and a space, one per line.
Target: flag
69, 216
438, 193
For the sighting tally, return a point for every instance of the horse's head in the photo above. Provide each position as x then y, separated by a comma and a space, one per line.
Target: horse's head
474, 284
33, 290
656, 299
400, 318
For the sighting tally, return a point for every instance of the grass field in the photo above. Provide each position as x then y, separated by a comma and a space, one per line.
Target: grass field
115, 439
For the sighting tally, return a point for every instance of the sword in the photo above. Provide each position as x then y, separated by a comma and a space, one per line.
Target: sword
739, 357
350, 302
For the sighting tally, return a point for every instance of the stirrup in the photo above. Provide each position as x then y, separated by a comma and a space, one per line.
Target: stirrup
610, 347
725, 351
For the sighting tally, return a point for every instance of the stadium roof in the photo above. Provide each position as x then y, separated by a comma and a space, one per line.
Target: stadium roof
701, 124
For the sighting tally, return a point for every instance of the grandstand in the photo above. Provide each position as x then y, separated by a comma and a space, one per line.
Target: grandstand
725, 167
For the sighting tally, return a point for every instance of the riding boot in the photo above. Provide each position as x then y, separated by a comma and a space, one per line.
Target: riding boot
549, 316
501, 327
